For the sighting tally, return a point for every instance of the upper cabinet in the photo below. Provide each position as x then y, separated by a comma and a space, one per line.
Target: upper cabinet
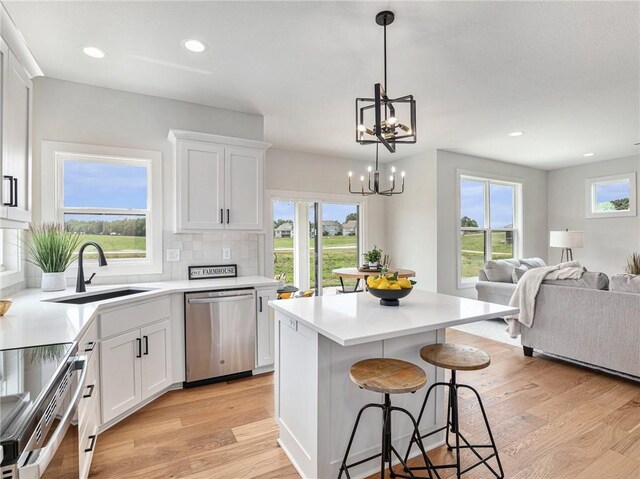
219, 182
17, 68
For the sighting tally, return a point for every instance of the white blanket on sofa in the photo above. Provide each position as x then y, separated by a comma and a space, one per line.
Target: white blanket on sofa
524, 297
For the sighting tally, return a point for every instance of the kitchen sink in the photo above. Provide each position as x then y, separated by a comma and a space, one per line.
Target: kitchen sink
92, 298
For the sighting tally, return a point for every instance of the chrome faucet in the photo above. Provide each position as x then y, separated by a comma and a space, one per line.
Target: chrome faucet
102, 261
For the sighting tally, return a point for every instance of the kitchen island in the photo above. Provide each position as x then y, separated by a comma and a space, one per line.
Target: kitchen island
317, 341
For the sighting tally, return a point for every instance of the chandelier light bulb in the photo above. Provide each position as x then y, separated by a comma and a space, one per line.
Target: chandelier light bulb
402, 174
392, 120
361, 128
393, 169
369, 169
350, 174
362, 179
391, 178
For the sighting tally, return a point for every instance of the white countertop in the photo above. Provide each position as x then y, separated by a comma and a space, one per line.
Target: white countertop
358, 318
33, 320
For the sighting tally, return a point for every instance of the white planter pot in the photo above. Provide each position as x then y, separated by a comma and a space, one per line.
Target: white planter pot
373, 265
54, 282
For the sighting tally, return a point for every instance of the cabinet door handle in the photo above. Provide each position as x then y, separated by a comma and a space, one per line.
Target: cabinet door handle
139, 342
221, 216
92, 443
90, 347
228, 216
146, 345
90, 387
15, 192
11, 195
260, 304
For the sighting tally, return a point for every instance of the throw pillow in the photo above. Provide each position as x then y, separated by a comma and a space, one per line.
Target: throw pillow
518, 273
501, 270
531, 263
625, 283
589, 280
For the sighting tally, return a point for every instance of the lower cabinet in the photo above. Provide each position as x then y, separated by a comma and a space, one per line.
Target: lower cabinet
134, 366
265, 330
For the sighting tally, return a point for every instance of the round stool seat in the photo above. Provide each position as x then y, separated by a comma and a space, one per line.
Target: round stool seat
455, 356
388, 376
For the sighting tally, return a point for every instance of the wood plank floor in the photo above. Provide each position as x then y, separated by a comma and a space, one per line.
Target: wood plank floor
550, 419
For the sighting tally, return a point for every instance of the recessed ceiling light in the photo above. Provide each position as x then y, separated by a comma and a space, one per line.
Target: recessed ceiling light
516, 133
195, 46
94, 52
588, 154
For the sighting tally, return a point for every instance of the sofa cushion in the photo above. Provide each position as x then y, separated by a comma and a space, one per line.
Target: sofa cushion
589, 280
531, 263
625, 283
518, 273
501, 270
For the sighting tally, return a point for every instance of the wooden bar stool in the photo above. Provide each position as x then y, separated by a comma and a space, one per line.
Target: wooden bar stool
386, 376
456, 357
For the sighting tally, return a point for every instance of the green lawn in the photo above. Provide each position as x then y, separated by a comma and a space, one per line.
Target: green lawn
473, 251
327, 241
332, 258
117, 246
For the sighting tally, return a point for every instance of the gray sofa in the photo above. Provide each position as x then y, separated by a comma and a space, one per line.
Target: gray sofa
580, 320
597, 327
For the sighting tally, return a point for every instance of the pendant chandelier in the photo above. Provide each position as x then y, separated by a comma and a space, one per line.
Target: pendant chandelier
373, 187
378, 118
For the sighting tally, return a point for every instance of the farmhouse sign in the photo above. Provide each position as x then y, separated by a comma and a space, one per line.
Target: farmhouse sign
216, 271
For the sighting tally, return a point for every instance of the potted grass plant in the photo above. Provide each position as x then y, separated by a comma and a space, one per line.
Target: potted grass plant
633, 264
52, 249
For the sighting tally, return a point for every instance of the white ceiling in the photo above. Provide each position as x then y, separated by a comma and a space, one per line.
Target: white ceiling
567, 73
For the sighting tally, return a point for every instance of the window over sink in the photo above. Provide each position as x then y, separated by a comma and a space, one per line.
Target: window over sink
111, 196
489, 218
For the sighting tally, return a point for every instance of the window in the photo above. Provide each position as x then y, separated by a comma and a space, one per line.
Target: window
611, 196
111, 196
489, 224
312, 237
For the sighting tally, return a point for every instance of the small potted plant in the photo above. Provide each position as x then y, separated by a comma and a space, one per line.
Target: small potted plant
633, 264
52, 249
373, 257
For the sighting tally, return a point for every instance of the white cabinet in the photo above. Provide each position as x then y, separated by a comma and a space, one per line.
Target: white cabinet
120, 374
15, 127
156, 358
219, 182
135, 366
265, 329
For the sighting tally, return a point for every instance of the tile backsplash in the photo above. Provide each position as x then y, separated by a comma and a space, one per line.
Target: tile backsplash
195, 249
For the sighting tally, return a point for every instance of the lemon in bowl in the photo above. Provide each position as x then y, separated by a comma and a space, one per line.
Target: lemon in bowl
389, 288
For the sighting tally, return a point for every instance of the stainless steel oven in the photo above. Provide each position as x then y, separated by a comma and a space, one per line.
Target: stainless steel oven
40, 431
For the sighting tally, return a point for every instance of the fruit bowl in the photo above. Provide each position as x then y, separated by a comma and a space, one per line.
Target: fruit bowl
390, 297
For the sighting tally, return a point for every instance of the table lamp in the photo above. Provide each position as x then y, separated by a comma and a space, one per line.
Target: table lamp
567, 240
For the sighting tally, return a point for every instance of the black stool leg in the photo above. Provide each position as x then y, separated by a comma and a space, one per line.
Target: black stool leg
493, 443
455, 419
344, 468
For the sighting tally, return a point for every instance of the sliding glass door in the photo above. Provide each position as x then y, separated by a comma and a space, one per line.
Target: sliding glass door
311, 239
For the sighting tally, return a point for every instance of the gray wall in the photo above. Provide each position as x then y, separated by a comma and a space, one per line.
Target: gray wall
608, 241
535, 231
78, 113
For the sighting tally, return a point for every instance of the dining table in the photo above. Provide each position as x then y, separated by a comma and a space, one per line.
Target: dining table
362, 274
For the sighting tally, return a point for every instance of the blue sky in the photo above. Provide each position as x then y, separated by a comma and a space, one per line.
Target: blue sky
472, 203
104, 185
284, 210
612, 191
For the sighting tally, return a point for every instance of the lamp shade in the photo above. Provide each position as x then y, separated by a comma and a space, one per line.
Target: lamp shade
566, 239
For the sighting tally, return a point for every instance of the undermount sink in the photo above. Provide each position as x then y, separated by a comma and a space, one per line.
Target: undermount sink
92, 298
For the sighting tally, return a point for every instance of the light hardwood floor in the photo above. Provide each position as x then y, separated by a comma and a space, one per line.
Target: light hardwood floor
550, 419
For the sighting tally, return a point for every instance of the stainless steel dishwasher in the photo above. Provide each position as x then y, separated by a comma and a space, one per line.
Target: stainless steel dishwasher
220, 334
